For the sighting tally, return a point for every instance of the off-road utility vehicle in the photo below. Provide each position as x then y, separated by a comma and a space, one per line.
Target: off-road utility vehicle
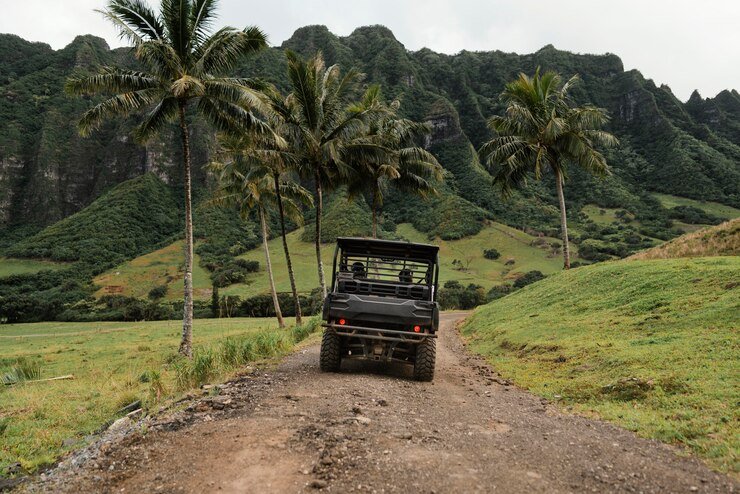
382, 304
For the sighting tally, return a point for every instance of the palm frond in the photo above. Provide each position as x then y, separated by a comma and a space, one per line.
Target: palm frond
110, 80
135, 20
161, 59
230, 118
120, 104
176, 17
223, 49
305, 91
163, 113
202, 15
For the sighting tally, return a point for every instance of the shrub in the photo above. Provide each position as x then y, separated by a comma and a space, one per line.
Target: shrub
454, 296
528, 278
491, 254
693, 215
158, 292
500, 291
262, 306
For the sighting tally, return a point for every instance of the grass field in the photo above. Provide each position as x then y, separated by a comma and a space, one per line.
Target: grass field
511, 243
114, 364
715, 208
10, 266
162, 267
650, 345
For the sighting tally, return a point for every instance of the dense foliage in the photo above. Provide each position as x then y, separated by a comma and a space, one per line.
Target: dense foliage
224, 236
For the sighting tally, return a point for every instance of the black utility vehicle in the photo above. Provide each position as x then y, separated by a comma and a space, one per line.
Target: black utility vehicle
382, 304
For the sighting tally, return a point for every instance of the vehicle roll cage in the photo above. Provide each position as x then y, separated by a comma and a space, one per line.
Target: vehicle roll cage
386, 267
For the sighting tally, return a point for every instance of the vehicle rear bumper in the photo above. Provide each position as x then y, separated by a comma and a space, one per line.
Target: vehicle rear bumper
374, 311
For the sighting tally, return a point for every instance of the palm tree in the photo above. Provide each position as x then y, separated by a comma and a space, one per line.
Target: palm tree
279, 163
245, 181
542, 129
323, 128
274, 157
398, 162
183, 68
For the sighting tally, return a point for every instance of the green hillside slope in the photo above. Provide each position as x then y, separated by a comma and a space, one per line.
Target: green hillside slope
129, 220
163, 267
521, 251
125, 222
650, 345
720, 240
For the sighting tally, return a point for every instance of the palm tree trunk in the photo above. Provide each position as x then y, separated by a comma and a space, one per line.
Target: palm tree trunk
186, 344
375, 212
268, 263
291, 275
319, 208
563, 220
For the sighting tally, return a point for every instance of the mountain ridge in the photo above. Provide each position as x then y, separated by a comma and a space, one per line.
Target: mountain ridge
48, 172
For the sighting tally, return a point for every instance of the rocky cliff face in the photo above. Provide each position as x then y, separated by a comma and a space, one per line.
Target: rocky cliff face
48, 172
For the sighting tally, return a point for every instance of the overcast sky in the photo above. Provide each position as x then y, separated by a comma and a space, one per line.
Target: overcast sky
685, 44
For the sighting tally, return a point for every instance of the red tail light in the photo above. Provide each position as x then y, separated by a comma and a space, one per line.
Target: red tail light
417, 329
342, 322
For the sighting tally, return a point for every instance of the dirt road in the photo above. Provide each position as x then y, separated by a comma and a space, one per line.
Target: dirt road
372, 429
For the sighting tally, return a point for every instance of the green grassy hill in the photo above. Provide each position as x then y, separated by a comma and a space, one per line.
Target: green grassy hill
527, 253
720, 240
713, 208
650, 345
126, 221
520, 253
164, 266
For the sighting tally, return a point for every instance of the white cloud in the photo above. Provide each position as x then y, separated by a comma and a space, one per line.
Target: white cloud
681, 43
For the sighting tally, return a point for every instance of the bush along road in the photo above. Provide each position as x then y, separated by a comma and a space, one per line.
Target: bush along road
371, 428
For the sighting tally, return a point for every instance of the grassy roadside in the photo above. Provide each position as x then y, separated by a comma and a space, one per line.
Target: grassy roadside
650, 345
114, 364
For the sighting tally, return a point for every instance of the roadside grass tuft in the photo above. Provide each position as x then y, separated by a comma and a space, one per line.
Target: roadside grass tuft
235, 351
650, 345
24, 369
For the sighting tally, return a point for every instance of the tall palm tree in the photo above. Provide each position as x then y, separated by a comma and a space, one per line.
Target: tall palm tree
184, 66
245, 181
398, 162
542, 129
323, 128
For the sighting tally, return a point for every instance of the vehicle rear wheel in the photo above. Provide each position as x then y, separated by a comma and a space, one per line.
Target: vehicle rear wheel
330, 357
426, 355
